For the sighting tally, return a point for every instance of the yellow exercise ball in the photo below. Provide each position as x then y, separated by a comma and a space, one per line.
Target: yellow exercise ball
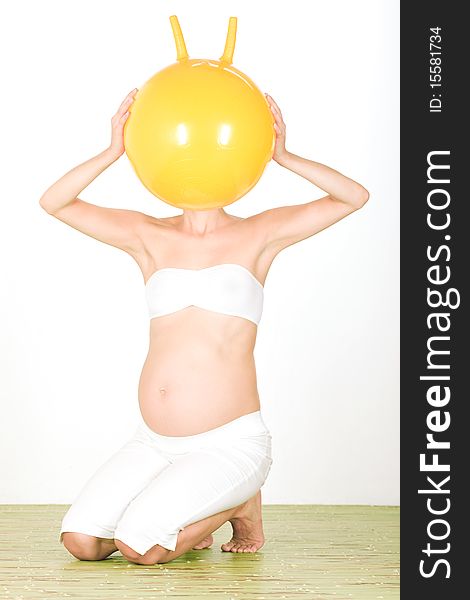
200, 132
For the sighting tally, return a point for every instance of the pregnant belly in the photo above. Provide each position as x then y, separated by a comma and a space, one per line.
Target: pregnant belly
188, 392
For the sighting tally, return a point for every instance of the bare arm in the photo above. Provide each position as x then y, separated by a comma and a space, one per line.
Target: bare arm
113, 226
286, 225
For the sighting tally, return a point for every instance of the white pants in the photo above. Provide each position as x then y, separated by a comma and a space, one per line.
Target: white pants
156, 485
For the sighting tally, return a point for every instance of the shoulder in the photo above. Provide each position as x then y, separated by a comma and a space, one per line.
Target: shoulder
256, 225
151, 225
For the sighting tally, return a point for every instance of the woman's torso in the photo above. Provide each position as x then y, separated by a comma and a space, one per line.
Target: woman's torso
199, 372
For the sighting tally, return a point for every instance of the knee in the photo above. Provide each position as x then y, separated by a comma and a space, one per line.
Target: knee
156, 554
82, 546
127, 551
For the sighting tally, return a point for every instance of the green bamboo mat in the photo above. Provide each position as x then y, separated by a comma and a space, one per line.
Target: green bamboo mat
311, 552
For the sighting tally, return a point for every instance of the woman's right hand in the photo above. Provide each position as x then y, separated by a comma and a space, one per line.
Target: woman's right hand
116, 147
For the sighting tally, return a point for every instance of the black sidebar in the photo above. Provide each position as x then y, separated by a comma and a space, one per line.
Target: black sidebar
434, 257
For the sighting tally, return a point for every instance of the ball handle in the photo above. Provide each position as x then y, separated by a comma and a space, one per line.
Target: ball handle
227, 56
181, 52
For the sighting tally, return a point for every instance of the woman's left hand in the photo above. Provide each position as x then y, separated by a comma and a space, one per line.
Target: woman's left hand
280, 129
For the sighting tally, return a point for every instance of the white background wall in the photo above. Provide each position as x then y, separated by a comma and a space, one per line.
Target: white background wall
72, 310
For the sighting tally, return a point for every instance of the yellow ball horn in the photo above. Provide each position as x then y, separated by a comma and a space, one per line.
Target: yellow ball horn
227, 56
181, 52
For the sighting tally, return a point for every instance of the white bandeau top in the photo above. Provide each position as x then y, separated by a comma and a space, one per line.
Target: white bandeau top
227, 288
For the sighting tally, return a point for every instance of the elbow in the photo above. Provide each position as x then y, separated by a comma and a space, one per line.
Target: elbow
361, 197
43, 205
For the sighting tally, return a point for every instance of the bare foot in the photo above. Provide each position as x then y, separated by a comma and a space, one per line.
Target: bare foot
247, 526
205, 543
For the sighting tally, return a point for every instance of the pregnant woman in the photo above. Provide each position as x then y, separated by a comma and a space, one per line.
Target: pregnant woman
201, 451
